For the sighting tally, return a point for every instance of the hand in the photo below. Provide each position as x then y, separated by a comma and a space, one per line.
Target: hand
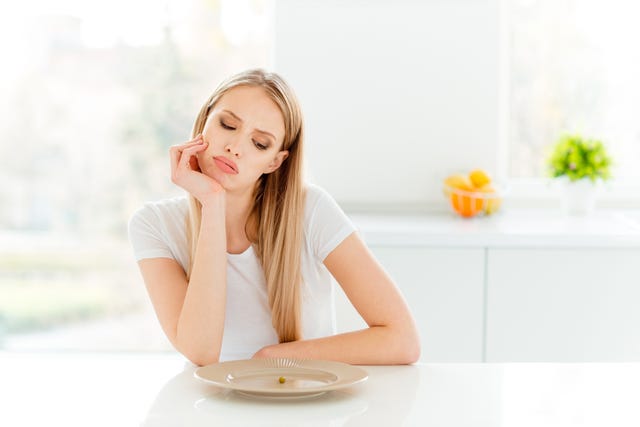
185, 171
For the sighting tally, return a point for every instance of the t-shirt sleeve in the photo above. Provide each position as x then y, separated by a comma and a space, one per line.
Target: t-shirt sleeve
145, 235
328, 224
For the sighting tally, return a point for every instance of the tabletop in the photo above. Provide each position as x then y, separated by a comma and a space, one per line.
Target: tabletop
158, 389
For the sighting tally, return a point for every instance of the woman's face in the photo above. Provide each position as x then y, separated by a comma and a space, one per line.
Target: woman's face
245, 131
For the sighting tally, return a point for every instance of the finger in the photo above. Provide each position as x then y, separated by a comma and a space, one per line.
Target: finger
174, 157
199, 138
181, 161
175, 151
188, 153
180, 147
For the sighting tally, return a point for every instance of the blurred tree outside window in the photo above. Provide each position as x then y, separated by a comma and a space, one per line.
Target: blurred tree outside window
92, 96
574, 67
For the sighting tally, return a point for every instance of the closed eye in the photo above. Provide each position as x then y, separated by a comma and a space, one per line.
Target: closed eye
226, 126
260, 146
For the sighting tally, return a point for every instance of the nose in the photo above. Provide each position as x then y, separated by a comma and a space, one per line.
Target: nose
233, 148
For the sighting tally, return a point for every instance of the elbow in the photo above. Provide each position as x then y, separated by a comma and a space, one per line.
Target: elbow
197, 356
411, 353
409, 350
202, 360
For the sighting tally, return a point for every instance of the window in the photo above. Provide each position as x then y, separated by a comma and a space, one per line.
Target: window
573, 67
95, 93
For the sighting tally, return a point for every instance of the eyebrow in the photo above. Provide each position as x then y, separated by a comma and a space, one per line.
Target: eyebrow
240, 120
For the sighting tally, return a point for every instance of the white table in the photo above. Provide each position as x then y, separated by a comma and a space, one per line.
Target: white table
38, 389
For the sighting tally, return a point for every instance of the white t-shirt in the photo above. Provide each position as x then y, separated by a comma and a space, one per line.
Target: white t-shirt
158, 230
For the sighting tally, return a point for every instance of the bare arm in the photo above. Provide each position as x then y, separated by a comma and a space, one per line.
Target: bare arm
192, 312
391, 337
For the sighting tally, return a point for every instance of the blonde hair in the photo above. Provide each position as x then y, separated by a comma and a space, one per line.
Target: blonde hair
274, 225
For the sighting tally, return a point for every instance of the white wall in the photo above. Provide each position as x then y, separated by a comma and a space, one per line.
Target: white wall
396, 94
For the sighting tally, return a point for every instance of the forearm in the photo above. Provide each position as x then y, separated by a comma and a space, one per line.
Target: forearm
377, 345
201, 322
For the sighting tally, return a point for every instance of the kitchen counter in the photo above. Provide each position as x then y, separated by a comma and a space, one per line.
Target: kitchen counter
512, 228
152, 389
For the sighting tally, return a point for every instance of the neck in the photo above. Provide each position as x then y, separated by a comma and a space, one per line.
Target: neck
238, 206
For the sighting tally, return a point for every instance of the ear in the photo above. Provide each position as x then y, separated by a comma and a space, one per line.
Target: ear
277, 161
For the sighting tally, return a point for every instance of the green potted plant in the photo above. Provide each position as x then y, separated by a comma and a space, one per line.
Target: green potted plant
581, 163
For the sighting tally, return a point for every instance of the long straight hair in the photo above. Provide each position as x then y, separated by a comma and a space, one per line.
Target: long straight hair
274, 225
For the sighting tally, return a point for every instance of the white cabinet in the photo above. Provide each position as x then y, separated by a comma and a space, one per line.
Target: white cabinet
522, 286
563, 305
444, 288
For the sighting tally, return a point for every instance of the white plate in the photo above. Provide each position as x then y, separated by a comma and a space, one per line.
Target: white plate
261, 377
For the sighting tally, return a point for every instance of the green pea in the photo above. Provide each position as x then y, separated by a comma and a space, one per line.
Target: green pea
281, 380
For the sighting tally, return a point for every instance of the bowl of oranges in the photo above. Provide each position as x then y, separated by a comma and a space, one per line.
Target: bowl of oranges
473, 194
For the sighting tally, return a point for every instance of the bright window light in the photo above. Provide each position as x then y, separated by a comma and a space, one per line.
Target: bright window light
574, 67
95, 93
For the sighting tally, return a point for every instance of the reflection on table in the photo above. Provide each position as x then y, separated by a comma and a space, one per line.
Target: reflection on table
121, 389
183, 399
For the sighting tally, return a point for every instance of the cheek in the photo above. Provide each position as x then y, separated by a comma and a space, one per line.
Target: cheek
264, 166
205, 157
214, 135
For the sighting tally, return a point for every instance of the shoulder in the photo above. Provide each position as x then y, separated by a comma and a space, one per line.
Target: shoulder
326, 224
157, 229
161, 211
316, 195
175, 205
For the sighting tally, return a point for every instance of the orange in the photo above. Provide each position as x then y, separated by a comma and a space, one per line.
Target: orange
479, 178
466, 205
472, 194
459, 189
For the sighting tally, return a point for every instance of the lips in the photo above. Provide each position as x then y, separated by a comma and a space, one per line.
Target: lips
226, 165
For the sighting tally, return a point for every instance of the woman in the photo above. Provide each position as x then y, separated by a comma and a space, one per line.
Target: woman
243, 268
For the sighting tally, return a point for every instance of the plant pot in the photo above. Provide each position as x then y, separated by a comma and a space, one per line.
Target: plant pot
578, 198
